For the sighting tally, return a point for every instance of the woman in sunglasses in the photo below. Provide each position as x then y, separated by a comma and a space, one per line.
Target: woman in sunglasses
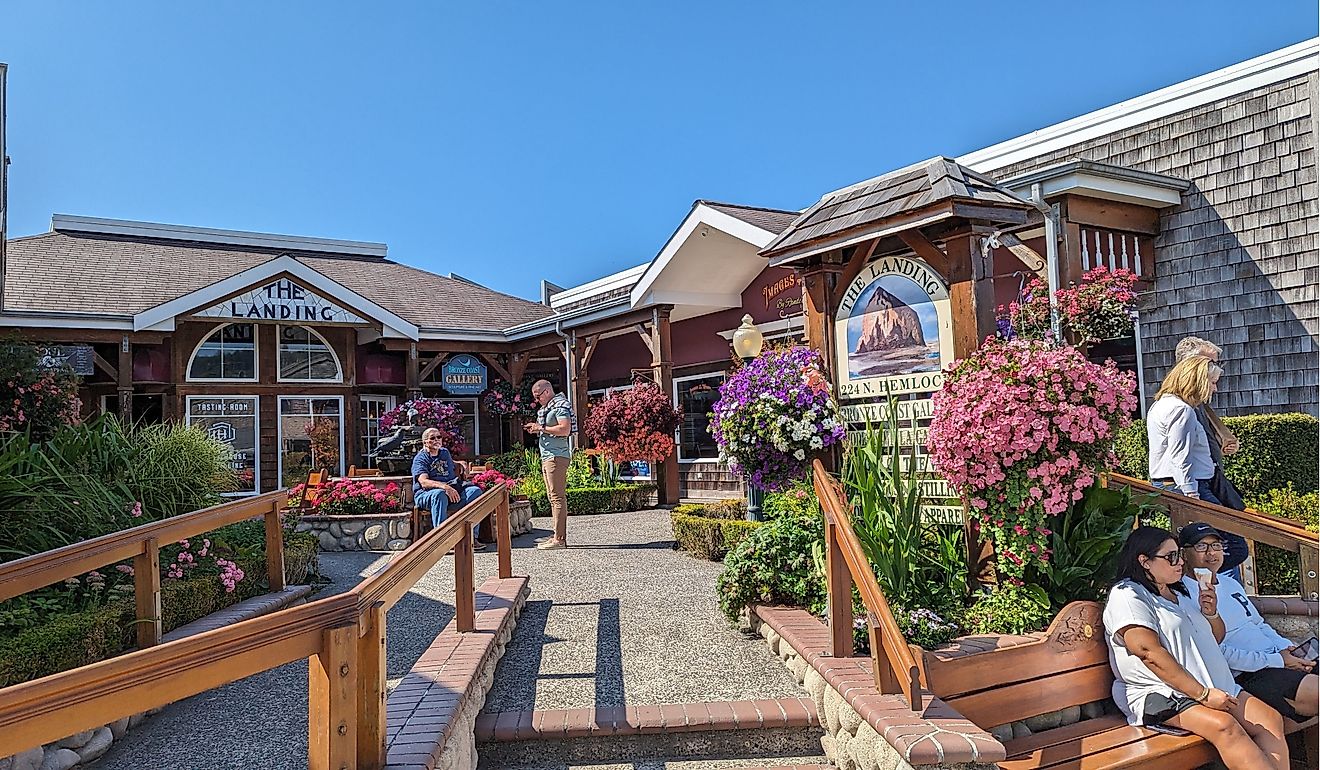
1164, 649
1262, 661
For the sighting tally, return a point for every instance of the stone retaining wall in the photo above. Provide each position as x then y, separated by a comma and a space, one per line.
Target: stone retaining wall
376, 532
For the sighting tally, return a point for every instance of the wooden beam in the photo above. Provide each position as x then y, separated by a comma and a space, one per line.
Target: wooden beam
862, 254
518, 367
645, 334
592, 344
494, 363
928, 251
105, 366
430, 367
125, 389
1112, 215
395, 344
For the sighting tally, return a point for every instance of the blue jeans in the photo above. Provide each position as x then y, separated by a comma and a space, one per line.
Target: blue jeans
1235, 546
438, 503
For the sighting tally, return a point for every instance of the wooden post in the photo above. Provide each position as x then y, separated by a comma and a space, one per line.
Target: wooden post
886, 681
577, 376
465, 618
332, 718
838, 584
413, 373
275, 545
1309, 573
816, 304
504, 537
125, 384
662, 369
146, 591
971, 295
371, 691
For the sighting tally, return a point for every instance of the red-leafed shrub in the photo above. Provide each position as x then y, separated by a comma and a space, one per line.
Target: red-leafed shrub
636, 424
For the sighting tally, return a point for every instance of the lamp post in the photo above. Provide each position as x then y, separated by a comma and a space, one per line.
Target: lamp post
747, 344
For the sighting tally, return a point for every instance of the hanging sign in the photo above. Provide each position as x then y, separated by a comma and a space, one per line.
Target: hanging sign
76, 358
463, 375
282, 300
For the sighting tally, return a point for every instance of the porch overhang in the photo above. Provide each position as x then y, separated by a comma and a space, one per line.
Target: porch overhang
1104, 181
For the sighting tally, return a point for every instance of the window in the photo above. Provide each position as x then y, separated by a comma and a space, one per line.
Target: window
231, 420
311, 435
629, 470
696, 396
371, 408
467, 428
230, 353
305, 356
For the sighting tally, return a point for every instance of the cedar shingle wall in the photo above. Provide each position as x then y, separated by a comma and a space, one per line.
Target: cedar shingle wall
1238, 262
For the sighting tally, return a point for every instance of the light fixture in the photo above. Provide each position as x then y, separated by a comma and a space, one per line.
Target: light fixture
747, 340
705, 231
747, 344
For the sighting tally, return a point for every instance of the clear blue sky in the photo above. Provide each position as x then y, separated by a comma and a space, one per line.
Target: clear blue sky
514, 141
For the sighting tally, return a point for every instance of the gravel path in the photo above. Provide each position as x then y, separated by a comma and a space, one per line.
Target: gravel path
620, 585
620, 618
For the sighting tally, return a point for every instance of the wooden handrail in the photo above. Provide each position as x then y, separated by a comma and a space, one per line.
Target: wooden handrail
342, 636
894, 665
1258, 527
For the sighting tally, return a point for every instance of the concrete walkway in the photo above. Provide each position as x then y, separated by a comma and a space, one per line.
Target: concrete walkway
618, 619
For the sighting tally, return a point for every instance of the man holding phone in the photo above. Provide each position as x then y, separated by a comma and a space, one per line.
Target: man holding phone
1264, 663
553, 428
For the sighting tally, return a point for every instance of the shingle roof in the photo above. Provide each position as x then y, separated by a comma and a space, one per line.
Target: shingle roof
907, 189
770, 220
86, 273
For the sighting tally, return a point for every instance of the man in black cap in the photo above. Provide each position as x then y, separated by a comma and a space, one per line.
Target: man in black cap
1265, 663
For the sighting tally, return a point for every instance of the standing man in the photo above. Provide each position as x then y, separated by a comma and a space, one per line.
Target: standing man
1222, 442
553, 427
436, 487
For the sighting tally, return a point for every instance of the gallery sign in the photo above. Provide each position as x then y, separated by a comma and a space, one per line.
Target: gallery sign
463, 375
893, 331
282, 300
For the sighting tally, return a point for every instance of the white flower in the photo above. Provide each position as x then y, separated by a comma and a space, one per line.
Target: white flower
799, 454
816, 443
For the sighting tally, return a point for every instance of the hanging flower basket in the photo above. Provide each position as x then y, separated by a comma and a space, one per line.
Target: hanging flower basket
503, 400
427, 413
1100, 307
774, 415
635, 424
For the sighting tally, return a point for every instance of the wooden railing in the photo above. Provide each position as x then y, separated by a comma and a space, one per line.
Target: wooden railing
893, 662
1255, 527
142, 545
342, 636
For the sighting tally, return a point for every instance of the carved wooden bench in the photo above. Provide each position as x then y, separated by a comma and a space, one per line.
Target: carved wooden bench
1066, 666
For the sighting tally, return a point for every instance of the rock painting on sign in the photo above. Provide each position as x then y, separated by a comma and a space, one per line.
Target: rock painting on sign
893, 329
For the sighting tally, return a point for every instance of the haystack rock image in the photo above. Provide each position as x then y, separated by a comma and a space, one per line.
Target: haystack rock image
893, 330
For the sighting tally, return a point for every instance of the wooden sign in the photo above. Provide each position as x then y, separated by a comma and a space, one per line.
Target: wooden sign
282, 300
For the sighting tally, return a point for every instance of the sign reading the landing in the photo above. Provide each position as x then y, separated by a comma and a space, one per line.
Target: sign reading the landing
894, 331
463, 376
282, 300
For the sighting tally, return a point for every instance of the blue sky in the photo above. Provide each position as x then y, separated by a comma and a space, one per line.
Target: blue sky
513, 141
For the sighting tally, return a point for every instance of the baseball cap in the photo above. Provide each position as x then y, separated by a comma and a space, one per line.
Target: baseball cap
1196, 532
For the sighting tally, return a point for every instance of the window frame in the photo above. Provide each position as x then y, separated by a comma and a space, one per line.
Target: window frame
279, 357
256, 356
279, 432
256, 429
387, 402
678, 434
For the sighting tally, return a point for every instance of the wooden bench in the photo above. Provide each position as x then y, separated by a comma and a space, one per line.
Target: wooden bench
1066, 666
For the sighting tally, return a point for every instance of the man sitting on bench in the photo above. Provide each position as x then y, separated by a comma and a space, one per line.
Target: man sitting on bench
436, 486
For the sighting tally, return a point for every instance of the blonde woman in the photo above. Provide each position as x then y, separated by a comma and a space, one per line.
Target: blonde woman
1180, 458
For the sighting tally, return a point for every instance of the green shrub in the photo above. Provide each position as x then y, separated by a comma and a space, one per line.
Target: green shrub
512, 463
733, 508
34, 400
1008, 609
1277, 570
797, 500
708, 537
596, 499
1276, 450
773, 565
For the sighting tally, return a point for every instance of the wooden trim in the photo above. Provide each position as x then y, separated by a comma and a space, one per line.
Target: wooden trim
430, 367
1112, 215
494, 363
397, 345
146, 592
928, 251
106, 367
645, 334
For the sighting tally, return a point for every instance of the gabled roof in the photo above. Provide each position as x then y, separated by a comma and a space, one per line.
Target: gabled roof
864, 207
771, 220
80, 273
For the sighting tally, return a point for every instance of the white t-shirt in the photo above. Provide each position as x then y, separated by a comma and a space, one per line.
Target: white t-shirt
1182, 630
1249, 642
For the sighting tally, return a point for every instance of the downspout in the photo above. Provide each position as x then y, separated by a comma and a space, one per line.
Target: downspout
569, 385
1051, 257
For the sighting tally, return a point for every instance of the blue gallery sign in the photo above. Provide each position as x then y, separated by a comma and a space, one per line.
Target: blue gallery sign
463, 375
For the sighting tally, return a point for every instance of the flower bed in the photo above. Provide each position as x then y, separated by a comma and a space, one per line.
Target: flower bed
68, 640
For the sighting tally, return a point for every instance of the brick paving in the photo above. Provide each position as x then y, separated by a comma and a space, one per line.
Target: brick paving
555, 724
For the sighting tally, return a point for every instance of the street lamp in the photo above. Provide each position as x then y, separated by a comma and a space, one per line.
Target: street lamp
747, 344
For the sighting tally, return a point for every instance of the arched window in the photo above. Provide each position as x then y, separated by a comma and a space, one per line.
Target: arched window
305, 356
229, 353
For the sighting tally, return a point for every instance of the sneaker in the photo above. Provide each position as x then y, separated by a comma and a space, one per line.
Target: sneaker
478, 546
551, 544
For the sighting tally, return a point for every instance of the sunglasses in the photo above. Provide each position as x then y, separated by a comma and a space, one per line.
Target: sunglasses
1174, 558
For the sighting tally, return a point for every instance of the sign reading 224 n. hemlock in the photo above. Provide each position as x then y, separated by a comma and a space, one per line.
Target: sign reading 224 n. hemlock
893, 331
282, 300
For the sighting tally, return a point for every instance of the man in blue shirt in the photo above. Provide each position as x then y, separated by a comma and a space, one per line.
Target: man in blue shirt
435, 479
